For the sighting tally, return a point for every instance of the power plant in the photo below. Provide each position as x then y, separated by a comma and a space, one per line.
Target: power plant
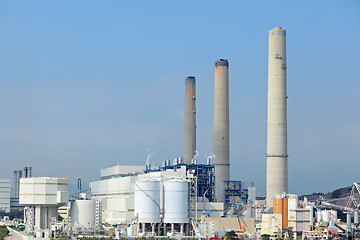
221, 127
276, 172
188, 197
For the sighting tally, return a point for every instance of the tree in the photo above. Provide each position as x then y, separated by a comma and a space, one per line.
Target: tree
265, 237
230, 235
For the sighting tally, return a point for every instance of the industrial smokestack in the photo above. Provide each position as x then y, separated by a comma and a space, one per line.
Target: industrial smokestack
15, 184
277, 170
19, 175
29, 172
221, 127
190, 120
25, 172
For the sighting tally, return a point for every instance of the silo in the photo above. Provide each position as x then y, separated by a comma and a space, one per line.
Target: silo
83, 213
293, 202
176, 201
221, 126
147, 201
325, 216
318, 216
356, 218
277, 167
311, 214
333, 216
189, 120
348, 222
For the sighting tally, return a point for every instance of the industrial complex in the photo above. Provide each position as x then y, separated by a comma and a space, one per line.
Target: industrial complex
185, 198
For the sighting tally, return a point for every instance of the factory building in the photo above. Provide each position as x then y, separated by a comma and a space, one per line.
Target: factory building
277, 167
5, 195
221, 127
247, 224
190, 120
271, 224
42, 196
120, 171
117, 193
24, 172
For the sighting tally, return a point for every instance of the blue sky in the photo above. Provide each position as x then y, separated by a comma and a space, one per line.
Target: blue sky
85, 83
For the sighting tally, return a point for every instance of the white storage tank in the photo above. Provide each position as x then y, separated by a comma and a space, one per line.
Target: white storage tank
311, 214
176, 201
356, 218
47, 234
39, 234
82, 212
147, 200
333, 216
318, 216
293, 202
325, 216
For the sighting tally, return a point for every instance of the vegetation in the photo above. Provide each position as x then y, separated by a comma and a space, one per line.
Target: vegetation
3, 232
20, 228
121, 238
230, 235
14, 213
265, 237
336, 193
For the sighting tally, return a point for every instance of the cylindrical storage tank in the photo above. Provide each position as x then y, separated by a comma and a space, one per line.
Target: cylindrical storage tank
318, 216
348, 222
176, 201
39, 234
311, 214
82, 213
147, 201
333, 216
356, 218
293, 203
47, 234
130, 230
325, 215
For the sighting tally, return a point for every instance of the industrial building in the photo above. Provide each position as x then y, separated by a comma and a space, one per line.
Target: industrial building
5, 195
42, 196
118, 193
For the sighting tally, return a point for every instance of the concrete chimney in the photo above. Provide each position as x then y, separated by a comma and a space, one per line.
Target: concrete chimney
25, 172
277, 167
221, 127
189, 120
15, 184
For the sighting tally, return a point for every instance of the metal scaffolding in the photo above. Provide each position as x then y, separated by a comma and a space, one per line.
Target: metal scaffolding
233, 191
205, 175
